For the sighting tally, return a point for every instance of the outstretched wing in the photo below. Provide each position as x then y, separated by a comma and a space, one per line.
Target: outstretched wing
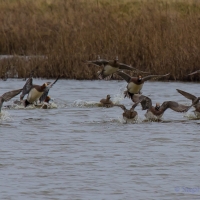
196, 72
154, 77
129, 67
145, 101
175, 106
187, 95
9, 95
27, 87
135, 104
46, 91
99, 62
125, 76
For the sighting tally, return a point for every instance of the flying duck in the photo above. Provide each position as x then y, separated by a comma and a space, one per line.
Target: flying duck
110, 67
8, 95
128, 114
35, 91
106, 102
135, 84
155, 113
195, 101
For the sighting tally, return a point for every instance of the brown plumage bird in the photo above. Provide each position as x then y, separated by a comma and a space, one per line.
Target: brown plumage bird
106, 102
111, 66
157, 111
35, 92
135, 84
128, 113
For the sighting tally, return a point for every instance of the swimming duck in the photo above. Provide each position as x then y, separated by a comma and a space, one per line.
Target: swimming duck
195, 101
135, 84
106, 102
8, 95
128, 114
155, 113
110, 67
35, 91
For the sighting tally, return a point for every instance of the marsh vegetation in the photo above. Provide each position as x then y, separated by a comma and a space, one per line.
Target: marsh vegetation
59, 36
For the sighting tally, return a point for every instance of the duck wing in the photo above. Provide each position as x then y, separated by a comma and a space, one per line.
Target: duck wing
9, 95
154, 77
46, 91
129, 67
175, 106
99, 62
196, 72
145, 101
187, 95
27, 87
134, 105
125, 76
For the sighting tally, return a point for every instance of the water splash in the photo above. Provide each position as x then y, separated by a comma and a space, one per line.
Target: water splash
192, 115
119, 96
81, 103
4, 116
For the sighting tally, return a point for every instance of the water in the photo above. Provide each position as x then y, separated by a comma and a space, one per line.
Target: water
81, 151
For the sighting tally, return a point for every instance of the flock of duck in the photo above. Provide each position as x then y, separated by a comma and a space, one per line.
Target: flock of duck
38, 94
134, 87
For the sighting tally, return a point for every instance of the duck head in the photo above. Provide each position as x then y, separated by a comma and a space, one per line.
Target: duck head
157, 106
139, 78
108, 97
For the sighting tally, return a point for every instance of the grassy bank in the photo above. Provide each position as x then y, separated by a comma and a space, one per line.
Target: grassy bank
157, 36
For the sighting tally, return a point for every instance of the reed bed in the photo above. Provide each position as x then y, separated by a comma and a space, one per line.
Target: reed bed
58, 36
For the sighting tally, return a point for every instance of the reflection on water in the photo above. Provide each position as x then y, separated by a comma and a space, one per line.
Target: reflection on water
79, 150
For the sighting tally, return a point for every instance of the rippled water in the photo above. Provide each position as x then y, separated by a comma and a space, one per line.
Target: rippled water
81, 151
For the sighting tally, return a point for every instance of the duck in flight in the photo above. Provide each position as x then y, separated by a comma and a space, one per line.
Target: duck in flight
35, 92
135, 84
111, 66
157, 111
129, 113
195, 101
7, 96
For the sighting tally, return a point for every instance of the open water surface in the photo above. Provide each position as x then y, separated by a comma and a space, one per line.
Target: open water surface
78, 150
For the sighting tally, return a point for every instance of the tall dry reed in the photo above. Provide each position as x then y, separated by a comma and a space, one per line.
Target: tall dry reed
157, 36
